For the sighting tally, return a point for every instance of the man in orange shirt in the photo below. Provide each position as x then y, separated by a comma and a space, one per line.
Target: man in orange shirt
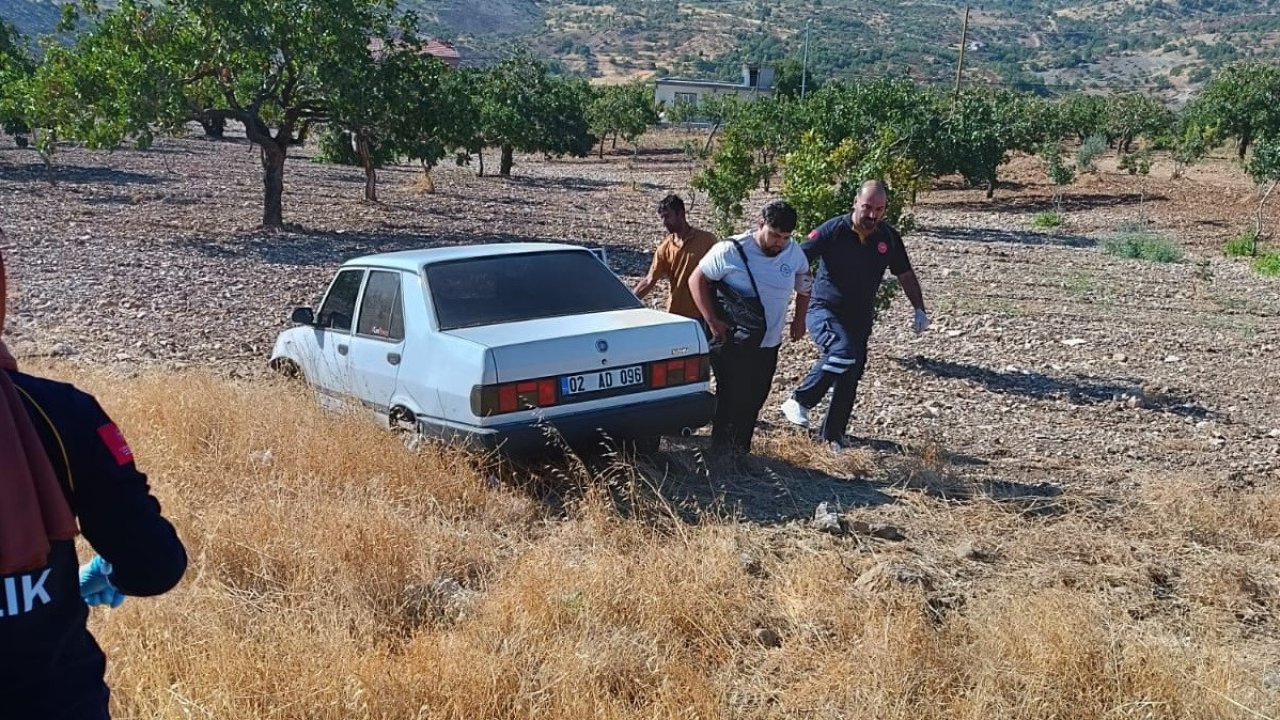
676, 257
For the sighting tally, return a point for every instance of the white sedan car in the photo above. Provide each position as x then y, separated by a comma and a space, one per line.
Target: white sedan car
497, 345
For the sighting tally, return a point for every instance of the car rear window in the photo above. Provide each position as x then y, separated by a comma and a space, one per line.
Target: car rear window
511, 288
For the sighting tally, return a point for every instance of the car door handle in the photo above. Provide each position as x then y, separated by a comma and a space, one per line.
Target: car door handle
342, 349
393, 358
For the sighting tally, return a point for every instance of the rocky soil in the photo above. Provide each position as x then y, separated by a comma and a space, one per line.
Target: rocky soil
1049, 361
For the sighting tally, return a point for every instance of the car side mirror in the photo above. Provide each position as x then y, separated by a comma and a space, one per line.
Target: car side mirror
303, 316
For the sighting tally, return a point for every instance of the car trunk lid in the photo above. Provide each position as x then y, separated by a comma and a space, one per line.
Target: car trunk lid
585, 343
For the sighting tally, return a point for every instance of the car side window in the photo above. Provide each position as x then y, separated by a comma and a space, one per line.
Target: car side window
340, 304
381, 311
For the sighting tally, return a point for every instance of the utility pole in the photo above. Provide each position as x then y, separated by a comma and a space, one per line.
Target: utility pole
804, 65
964, 39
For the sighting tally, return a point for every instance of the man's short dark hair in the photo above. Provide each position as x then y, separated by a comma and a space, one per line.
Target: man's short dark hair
779, 215
669, 203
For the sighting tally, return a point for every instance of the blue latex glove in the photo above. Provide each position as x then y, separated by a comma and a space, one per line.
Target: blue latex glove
96, 587
921, 321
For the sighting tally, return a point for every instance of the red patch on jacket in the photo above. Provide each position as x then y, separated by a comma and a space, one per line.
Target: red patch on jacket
883, 248
115, 442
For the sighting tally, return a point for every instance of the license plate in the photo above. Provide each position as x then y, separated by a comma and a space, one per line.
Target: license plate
597, 381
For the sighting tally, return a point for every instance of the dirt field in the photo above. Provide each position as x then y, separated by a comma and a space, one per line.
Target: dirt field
1080, 439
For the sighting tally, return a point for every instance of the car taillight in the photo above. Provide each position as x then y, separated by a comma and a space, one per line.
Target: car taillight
669, 373
512, 397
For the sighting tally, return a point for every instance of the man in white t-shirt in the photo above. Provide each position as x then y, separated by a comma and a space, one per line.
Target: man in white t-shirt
764, 264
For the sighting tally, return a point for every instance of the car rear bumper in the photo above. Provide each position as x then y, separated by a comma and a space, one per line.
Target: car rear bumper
669, 416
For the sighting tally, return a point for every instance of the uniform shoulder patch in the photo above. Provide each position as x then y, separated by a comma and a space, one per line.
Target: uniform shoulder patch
813, 234
115, 442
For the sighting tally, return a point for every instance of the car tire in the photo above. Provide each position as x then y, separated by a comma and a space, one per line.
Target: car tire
401, 419
286, 368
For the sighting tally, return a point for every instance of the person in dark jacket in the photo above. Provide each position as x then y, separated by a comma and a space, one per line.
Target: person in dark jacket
63, 460
853, 251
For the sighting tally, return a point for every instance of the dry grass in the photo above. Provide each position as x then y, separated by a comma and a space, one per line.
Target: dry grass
336, 574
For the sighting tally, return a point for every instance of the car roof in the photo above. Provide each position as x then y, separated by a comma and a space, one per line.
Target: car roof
414, 260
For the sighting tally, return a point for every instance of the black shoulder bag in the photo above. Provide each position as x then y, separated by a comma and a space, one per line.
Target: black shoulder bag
743, 313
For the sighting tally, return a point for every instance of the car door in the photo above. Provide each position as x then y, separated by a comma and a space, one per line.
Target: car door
377, 346
326, 362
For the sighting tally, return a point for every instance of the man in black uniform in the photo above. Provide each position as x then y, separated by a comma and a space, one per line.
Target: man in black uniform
853, 252
62, 459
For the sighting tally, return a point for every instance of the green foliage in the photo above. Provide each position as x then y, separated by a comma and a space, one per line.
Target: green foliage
625, 111
820, 182
521, 106
390, 107
982, 128
1047, 220
1264, 165
1241, 102
729, 179
1268, 265
861, 111
770, 126
1093, 147
1243, 245
116, 84
889, 288
756, 133
1143, 245
1133, 115
447, 121
787, 79
1264, 168
16, 65
1136, 163
1084, 116
335, 147
1192, 143
275, 67
1058, 172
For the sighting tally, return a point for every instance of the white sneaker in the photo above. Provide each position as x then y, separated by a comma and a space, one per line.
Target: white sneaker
796, 413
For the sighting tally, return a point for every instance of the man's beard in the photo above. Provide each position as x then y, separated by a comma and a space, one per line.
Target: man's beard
771, 252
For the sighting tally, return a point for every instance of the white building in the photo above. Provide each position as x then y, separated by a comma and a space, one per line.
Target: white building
757, 80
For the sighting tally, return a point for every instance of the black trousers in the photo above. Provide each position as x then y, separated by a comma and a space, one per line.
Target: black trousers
743, 378
844, 359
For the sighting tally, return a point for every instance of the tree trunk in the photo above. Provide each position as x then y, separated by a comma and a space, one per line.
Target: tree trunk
480, 154
710, 136
428, 185
273, 156
366, 162
213, 126
45, 141
508, 159
603, 137
1262, 203
1242, 147
991, 185
614, 146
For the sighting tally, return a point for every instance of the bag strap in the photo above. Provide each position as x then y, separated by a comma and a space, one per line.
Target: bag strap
747, 264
